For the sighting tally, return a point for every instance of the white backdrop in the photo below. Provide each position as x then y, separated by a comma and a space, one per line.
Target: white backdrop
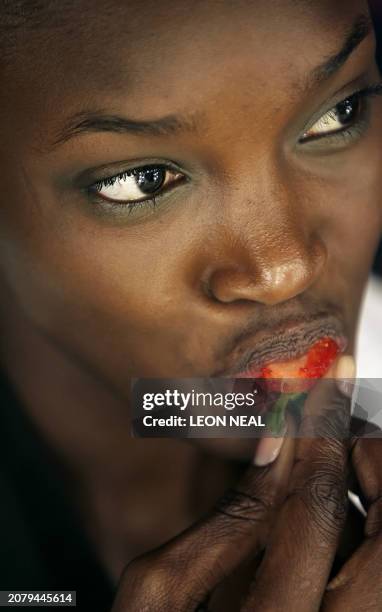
369, 353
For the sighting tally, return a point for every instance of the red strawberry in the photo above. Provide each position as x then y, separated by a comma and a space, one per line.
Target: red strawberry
294, 378
299, 375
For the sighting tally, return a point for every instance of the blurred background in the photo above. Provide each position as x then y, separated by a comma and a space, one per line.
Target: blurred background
378, 22
369, 353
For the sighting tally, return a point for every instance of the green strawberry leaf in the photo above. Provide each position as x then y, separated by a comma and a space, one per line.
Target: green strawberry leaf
276, 417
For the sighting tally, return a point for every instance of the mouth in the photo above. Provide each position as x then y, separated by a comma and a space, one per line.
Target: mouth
292, 350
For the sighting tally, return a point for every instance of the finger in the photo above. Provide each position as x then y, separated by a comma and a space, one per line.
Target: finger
366, 467
300, 553
179, 575
367, 463
345, 376
358, 586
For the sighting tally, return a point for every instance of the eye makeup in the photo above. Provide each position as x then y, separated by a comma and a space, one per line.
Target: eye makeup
344, 121
136, 189
142, 188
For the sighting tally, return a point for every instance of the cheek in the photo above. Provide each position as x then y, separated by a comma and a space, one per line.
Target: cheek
339, 197
362, 223
348, 201
113, 295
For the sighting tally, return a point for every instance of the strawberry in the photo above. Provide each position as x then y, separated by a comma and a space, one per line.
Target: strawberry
299, 374
292, 379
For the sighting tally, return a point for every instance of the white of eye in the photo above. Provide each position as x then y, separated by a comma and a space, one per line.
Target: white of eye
336, 119
136, 185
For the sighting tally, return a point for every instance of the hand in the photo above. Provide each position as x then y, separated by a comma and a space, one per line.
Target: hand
359, 584
293, 576
314, 514
299, 556
180, 575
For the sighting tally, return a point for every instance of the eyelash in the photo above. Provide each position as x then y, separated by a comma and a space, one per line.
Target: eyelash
362, 94
352, 129
133, 204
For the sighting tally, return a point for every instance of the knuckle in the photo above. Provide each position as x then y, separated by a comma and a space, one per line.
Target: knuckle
332, 453
244, 506
324, 496
149, 585
162, 581
333, 422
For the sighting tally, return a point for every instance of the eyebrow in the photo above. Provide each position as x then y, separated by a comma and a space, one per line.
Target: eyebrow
87, 122
360, 30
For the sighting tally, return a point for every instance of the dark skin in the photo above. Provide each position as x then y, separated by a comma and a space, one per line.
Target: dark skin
266, 228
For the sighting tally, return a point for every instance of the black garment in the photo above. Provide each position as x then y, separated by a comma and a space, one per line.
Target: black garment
42, 544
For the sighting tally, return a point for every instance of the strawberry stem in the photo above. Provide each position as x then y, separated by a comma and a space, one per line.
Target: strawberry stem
276, 417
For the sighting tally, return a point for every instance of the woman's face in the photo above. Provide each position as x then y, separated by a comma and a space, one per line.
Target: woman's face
267, 205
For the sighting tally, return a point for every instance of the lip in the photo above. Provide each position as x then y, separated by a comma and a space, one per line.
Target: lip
285, 342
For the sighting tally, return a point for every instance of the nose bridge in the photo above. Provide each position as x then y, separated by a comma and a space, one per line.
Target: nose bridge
270, 217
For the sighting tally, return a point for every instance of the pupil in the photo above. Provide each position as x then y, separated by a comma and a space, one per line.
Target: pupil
150, 179
347, 110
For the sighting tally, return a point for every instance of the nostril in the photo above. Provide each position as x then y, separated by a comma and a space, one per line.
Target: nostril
207, 289
227, 285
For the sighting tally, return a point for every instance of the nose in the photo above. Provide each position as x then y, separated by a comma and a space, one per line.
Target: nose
270, 274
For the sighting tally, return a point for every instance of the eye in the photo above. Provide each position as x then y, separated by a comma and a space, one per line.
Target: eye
337, 119
136, 185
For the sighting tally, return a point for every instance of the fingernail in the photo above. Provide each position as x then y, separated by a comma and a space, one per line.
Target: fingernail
345, 375
337, 582
345, 367
268, 450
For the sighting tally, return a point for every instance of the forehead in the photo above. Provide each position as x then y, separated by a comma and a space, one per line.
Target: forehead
160, 55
